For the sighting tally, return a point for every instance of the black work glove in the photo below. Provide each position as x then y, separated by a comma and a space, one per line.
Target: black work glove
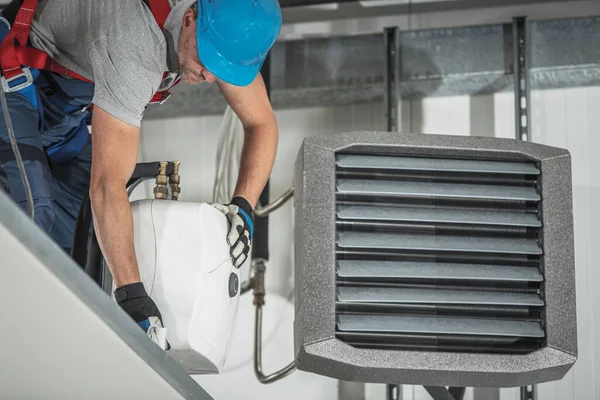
139, 306
241, 218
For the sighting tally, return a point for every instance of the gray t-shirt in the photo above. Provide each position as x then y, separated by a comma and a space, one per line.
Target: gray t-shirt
115, 43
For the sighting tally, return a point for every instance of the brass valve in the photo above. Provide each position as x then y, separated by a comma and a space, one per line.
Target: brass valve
174, 180
160, 190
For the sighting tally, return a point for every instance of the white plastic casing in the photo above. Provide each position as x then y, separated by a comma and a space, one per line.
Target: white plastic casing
186, 269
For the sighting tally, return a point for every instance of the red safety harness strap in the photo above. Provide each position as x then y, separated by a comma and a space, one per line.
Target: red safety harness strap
160, 9
35, 58
11, 66
13, 57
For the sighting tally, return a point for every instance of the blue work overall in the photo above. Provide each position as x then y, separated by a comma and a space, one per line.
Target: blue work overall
50, 119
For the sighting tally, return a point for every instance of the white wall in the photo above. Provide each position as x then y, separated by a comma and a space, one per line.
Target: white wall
565, 118
193, 141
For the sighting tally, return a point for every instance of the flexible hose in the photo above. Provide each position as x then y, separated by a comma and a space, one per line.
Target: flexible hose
17, 153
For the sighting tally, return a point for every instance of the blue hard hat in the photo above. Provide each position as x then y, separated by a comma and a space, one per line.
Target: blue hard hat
234, 37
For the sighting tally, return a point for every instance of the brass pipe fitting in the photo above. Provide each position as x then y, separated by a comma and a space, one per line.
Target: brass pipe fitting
174, 180
160, 190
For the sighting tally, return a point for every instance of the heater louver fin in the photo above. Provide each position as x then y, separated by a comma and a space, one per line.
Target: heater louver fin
349, 295
441, 215
435, 189
438, 254
465, 326
432, 164
374, 270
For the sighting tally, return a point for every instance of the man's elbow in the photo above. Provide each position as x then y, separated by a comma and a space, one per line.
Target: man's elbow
103, 190
268, 127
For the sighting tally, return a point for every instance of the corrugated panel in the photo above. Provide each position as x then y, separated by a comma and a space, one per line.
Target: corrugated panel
438, 254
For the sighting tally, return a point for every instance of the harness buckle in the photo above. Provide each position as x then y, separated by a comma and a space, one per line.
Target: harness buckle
6, 82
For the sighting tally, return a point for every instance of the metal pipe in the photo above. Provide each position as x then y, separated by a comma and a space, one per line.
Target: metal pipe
521, 61
247, 285
269, 208
259, 301
394, 392
528, 392
275, 376
391, 98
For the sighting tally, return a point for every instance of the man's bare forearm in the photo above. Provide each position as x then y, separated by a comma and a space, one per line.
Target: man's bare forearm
113, 223
256, 163
114, 153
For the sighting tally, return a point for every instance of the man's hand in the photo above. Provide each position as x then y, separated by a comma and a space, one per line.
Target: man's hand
134, 300
241, 219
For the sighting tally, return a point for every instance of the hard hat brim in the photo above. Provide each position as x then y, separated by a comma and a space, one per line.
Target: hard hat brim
219, 66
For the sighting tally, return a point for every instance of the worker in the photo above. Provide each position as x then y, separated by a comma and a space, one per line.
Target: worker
69, 64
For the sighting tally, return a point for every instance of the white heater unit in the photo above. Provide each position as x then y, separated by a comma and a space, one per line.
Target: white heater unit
185, 265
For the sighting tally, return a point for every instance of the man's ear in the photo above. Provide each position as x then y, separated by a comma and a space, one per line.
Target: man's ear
189, 18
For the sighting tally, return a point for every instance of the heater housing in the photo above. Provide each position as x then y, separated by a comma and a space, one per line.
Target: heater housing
434, 260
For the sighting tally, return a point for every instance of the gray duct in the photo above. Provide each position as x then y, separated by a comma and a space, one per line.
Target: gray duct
434, 260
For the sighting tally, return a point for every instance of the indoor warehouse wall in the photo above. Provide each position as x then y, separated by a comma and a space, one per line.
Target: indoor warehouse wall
566, 118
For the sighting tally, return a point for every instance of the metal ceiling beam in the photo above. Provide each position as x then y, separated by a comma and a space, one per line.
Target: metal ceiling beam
296, 11
301, 3
434, 62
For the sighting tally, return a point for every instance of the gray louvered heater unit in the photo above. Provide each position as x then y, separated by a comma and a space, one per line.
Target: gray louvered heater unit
434, 260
